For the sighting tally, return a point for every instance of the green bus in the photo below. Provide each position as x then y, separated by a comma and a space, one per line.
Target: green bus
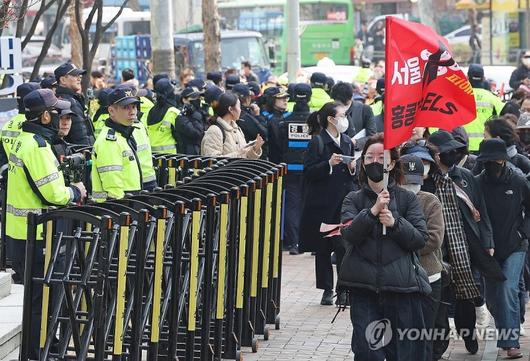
326, 28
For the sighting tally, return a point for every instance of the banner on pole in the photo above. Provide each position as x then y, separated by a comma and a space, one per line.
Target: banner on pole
424, 86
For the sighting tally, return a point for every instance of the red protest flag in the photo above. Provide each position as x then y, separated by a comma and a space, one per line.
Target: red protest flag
424, 86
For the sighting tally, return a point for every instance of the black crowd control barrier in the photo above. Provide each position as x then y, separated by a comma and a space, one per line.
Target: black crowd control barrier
191, 271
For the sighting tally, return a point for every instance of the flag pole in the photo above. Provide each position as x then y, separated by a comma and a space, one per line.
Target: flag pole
386, 164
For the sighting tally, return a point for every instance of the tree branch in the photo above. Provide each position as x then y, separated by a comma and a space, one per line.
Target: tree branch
21, 18
88, 22
61, 10
43, 8
109, 24
78, 20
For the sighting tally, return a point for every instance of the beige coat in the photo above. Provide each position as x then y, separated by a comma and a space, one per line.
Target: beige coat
234, 144
431, 254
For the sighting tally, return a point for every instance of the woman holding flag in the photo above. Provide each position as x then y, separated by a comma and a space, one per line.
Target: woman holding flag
382, 272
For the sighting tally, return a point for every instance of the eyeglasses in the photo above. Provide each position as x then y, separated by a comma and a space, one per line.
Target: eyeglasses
368, 158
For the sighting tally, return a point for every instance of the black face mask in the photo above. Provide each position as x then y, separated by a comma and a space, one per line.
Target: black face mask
374, 172
449, 159
493, 169
196, 103
525, 138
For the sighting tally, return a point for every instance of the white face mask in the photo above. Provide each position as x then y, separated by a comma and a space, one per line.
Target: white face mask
414, 188
426, 169
342, 124
526, 62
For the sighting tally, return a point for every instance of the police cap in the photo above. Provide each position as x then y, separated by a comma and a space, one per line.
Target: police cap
48, 82
197, 83
42, 99
103, 95
212, 93
215, 76
164, 87
302, 91
275, 92
319, 79
190, 93
122, 96
26, 88
232, 80
241, 89
475, 72
68, 69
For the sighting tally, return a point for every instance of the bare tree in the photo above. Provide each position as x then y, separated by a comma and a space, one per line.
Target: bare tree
212, 36
62, 6
88, 50
45, 5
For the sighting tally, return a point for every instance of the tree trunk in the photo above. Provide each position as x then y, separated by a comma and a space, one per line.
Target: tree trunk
428, 14
212, 36
161, 43
76, 52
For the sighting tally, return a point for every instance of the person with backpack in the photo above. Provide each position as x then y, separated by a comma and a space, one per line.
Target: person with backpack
224, 137
329, 175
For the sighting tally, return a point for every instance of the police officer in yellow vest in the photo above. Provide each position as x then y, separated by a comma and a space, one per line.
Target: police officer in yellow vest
161, 119
116, 167
319, 97
11, 129
34, 183
143, 146
102, 113
487, 103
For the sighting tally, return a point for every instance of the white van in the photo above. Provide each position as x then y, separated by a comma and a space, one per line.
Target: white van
130, 22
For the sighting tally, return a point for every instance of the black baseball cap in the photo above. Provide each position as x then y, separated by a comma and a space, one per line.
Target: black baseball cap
157, 77
254, 87
412, 167
302, 91
241, 89
319, 79
190, 93
164, 86
65, 112
122, 96
48, 82
492, 149
197, 83
212, 93
42, 99
380, 86
275, 92
26, 88
68, 69
475, 72
232, 80
103, 96
215, 76
445, 141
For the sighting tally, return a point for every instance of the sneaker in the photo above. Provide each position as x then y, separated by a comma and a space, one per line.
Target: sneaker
327, 298
522, 331
513, 353
483, 316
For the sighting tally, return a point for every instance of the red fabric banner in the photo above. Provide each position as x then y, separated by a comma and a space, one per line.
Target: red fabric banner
424, 86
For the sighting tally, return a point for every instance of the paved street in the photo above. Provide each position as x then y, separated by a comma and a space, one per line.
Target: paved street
307, 333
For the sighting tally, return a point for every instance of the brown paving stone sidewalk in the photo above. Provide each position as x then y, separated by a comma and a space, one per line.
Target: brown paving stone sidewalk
307, 332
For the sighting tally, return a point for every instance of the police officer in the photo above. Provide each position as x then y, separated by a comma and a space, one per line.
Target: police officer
249, 120
143, 146
211, 97
102, 113
377, 105
488, 105
69, 88
115, 165
34, 183
320, 96
191, 123
289, 147
161, 119
275, 111
11, 129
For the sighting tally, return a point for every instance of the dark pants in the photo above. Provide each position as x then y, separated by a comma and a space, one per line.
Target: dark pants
16, 251
392, 310
430, 307
323, 266
293, 211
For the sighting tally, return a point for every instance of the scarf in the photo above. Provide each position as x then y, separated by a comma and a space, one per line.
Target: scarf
455, 236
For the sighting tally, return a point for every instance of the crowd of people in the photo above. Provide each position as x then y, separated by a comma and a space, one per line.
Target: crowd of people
446, 239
